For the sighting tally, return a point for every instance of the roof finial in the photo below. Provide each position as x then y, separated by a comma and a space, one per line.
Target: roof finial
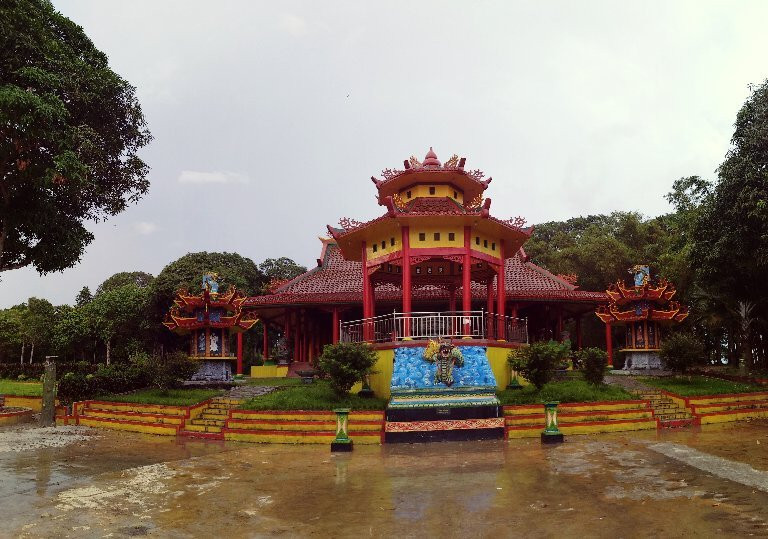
430, 160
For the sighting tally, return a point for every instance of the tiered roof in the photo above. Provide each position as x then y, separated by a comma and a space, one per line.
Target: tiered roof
336, 280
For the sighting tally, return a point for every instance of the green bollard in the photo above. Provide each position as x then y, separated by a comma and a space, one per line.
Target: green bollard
551, 434
342, 442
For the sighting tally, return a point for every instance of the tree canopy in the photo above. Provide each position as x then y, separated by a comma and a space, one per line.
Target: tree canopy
138, 278
70, 130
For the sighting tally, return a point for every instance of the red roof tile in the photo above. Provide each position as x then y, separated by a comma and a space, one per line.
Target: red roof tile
340, 281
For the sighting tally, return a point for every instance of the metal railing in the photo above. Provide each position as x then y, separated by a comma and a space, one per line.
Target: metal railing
433, 325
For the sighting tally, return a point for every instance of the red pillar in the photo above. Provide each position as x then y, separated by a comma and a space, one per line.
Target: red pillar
335, 329
239, 353
265, 341
559, 323
466, 294
366, 292
489, 307
452, 299
578, 332
609, 344
501, 293
406, 261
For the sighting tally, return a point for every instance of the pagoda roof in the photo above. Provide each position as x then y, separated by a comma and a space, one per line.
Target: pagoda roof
431, 170
336, 280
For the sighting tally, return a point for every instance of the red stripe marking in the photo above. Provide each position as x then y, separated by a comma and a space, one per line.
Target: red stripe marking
296, 432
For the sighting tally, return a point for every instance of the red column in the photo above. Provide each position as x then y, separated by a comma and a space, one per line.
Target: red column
489, 307
366, 292
452, 299
466, 294
265, 341
239, 353
578, 332
335, 329
406, 281
501, 292
609, 344
559, 323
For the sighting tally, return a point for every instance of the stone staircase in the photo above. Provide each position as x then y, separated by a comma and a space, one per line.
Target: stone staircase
670, 412
210, 420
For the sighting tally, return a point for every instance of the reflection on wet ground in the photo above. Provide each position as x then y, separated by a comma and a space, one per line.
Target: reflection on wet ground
675, 483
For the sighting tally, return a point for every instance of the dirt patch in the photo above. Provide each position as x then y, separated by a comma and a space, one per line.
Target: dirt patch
27, 438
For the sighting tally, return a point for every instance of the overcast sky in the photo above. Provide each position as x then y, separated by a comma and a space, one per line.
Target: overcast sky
270, 117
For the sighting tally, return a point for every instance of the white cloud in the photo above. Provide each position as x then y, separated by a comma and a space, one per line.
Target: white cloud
296, 26
144, 228
216, 176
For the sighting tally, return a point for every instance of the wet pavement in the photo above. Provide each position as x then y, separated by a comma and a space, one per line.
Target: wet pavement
712, 481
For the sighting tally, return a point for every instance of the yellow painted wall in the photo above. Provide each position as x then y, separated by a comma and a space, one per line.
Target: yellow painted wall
386, 237
440, 191
269, 371
429, 236
481, 248
380, 382
497, 357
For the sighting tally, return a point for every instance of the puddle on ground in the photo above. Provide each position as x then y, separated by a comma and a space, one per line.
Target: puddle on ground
127, 484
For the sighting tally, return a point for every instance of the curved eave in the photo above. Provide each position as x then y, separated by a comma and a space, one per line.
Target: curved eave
351, 241
427, 175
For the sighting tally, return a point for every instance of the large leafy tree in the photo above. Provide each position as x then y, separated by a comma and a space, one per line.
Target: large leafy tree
139, 278
730, 249
117, 312
281, 269
70, 129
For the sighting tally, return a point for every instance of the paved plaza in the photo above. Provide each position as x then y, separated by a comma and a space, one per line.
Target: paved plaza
80, 482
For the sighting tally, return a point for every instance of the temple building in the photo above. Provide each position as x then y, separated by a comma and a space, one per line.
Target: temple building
435, 264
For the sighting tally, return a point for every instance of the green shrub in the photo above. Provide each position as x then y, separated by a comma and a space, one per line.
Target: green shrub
681, 351
593, 362
33, 371
537, 361
346, 363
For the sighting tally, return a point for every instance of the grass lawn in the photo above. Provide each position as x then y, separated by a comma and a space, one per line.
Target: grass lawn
699, 385
565, 391
170, 397
281, 381
25, 389
315, 396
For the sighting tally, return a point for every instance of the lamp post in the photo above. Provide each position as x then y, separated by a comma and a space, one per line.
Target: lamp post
342, 442
551, 434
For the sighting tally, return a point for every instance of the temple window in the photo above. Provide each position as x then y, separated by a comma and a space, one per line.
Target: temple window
408, 194
437, 236
383, 244
455, 194
375, 247
485, 243
392, 242
451, 236
477, 240
422, 236
431, 190
493, 246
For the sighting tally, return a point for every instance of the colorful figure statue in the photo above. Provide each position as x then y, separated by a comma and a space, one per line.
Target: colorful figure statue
445, 356
210, 283
641, 274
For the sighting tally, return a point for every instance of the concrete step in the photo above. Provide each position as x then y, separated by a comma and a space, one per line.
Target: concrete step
209, 422
202, 428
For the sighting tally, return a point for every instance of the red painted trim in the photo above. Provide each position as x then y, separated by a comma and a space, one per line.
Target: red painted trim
239, 353
574, 404
22, 413
466, 275
582, 424
308, 412
458, 342
747, 405
297, 433
181, 418
303, 422
407, 283
139, 423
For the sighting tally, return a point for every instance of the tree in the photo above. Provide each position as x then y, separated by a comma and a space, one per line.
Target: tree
139, 278
537, 362
10, 332
730, 234
118, 311
83, 297
187, 273
38, 321
70, 130
345, 364
681, 351
280, 269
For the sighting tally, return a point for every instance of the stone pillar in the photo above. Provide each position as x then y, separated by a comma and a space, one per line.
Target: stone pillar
265, 341
609, 344
48, 412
